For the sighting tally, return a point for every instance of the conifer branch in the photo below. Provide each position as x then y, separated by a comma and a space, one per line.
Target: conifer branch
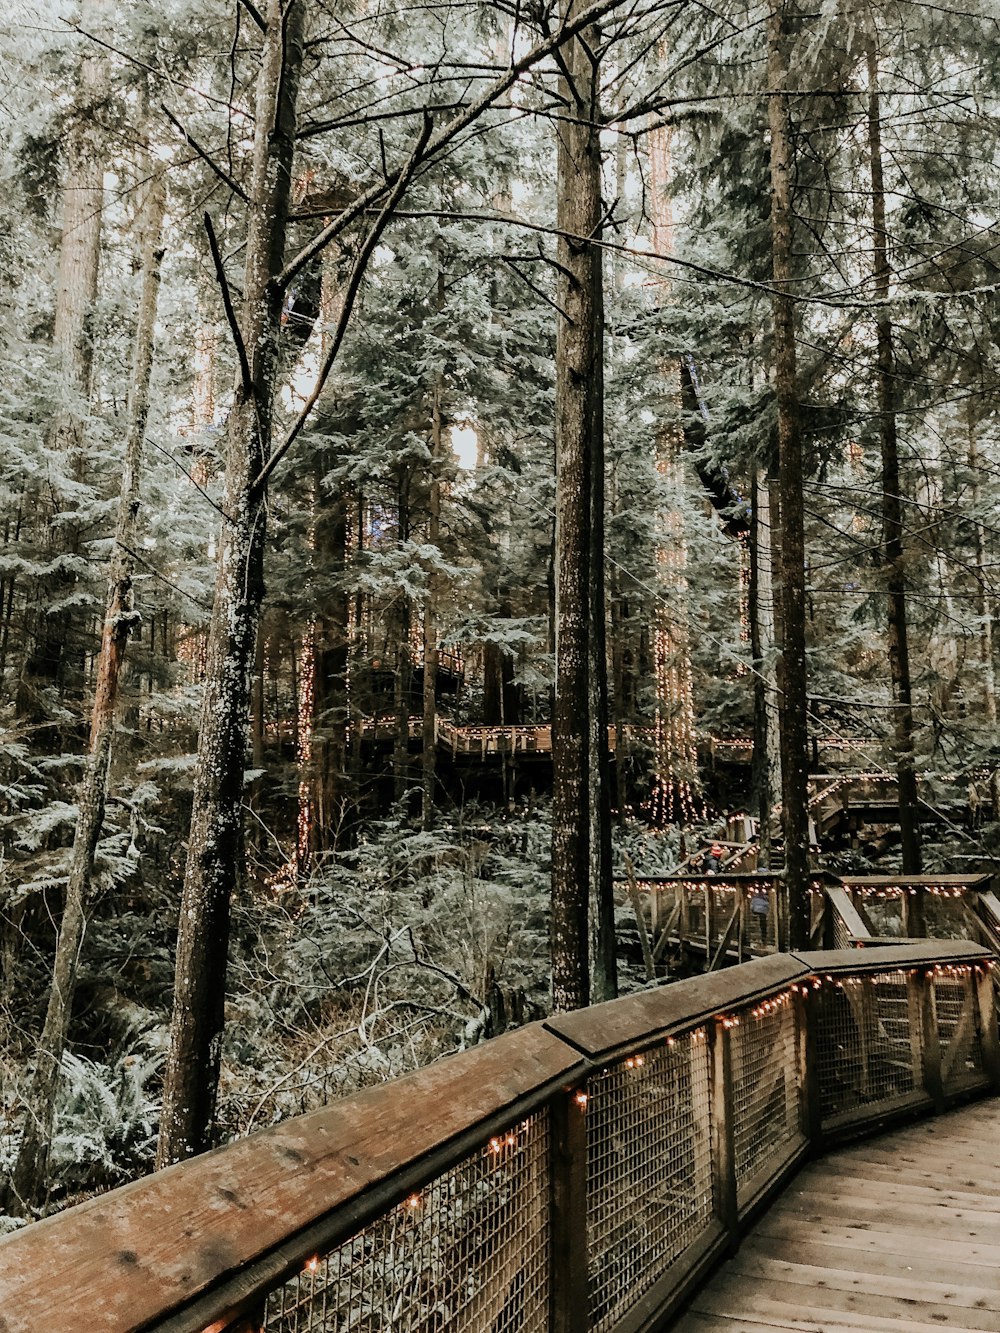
205, 156
350, 296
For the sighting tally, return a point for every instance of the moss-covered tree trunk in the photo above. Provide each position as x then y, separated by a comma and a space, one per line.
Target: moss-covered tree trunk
583, 955
892, 515
54, 625
28, 1182
792, 715
215, 843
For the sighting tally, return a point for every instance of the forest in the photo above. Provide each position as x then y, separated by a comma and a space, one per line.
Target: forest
455, 455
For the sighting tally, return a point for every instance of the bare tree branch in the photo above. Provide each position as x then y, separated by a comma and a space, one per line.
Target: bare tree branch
227, 301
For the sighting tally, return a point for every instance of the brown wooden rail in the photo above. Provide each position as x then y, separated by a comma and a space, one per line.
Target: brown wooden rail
581, 1173
713, 917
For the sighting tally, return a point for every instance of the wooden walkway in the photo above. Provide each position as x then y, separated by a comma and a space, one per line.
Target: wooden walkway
898, 1233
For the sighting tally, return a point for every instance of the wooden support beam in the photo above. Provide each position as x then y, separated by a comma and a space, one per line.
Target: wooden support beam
640, 919
848, 912
568, 1237
723, 1125
727, 936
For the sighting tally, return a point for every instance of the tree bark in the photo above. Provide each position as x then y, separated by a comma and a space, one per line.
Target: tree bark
985, 610
892, 507
215, 844
28, 1181
792, 716
47, 664
583, 957
766, 780
429, 749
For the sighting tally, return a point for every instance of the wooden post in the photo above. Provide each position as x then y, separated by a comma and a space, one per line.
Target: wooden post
709, 920
640, 920
723, 1142
921, 991
988, 1034
568, 1243
807, 1002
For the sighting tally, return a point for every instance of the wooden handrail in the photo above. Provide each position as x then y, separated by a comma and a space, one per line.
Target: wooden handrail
199, 1246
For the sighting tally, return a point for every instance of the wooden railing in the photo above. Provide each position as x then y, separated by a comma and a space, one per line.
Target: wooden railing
737, 915
580, 1173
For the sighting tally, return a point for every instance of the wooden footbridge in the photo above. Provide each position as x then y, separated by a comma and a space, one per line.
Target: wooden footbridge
590, 1172
717, 920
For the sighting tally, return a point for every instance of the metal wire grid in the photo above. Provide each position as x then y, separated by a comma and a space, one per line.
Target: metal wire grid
841, 935
469, 1253
885, 914
765, 1087
945, 917
694, 909
958, 1028
760, 929
649, 1170
724, 900
869, 1042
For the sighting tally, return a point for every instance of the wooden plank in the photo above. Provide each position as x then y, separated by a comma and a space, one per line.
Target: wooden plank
847, 912
823, 1308
619, 1025
820, 1203
906, 1295
781, 1230
699, 1323
923, 952
154, 1245
848, 1259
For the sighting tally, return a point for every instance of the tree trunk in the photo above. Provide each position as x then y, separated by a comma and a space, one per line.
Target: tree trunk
27, 1186
430, 619
583, 957
766, 780
792, 674
985, 611
215, 844
47, 663
892, 508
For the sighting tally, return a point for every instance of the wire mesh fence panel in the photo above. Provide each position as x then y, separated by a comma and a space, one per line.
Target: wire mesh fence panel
841, 931
693, 912
765, 1085
760, 920
885, 912
945, 916
664, 900
649, 1170
469, 1252
725, 901
868, 1048
957, 1010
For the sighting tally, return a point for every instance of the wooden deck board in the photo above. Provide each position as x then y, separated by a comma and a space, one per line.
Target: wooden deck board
899, 1233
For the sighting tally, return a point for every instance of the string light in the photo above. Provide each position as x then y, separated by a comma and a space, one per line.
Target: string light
581, 1099
312, 1264
634, 1062
772, 1006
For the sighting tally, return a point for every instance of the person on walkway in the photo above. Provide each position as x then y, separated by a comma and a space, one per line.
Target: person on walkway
975, 807
714, 864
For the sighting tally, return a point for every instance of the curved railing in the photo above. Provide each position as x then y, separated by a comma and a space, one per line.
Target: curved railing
581, 1173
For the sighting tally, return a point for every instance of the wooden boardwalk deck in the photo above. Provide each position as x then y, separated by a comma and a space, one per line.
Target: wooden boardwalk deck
898, 1233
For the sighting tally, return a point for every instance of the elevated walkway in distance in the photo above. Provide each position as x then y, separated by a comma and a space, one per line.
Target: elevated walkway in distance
901, 1232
